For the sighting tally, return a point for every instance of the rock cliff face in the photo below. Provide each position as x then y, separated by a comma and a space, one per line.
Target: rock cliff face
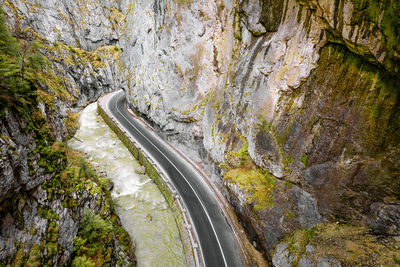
295, 102
43, 198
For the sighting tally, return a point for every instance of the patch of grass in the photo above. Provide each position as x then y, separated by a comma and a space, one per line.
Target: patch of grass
47, 213
72, 123
82, 261
240, 157
34, 259
350, 244
255, 181
304, 160
300, 239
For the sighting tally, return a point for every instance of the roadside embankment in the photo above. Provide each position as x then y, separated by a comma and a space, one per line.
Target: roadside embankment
183, 220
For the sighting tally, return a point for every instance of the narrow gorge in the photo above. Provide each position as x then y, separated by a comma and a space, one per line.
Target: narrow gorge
291, 108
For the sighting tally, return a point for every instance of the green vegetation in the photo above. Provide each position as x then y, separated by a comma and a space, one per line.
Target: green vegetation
298, 242
20, 61
183, 1
72, 123
94, 243
267, 128
352, 245
34, 259
47, 213
79, 175
51, 156
280, 139
93, 228
82, 261
11, 80
26, 79
241, 156
19, 257
257, 182
382, 15
303, 160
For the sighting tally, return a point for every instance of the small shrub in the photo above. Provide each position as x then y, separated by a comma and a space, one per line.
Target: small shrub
86, 170
82, 261
78, 243
93, 227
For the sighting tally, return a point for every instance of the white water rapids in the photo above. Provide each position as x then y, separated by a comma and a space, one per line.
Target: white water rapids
142, 208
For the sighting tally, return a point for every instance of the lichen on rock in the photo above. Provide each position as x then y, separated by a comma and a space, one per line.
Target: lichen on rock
311, 87
44, 190
293, 105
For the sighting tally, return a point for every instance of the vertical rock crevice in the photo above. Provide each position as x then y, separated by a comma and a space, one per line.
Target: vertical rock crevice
300, 119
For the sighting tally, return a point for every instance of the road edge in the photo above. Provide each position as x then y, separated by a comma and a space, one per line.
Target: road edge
186, 229
250, 255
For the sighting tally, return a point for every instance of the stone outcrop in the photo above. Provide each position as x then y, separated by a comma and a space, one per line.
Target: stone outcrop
41, 205
293, 105
294, 102
384, 219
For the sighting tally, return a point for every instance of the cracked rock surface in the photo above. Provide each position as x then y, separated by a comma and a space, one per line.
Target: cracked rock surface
292, 106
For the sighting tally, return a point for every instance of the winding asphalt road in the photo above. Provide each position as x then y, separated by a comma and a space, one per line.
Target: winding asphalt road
217, 240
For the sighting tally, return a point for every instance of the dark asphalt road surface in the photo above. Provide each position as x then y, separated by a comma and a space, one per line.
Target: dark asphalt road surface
217, 241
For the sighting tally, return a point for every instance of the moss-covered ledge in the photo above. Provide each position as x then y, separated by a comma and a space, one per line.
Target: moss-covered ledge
182, 218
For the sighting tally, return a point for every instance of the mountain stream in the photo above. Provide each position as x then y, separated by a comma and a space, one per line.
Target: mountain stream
142, 208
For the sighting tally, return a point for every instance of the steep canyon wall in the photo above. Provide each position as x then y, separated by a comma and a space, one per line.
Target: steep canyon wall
296, 103
45, 200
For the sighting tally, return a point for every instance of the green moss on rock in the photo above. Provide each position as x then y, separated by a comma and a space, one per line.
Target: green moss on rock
350, 244
34, 259
256, 182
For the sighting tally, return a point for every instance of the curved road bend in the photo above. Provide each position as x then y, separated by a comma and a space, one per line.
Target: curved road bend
216, 238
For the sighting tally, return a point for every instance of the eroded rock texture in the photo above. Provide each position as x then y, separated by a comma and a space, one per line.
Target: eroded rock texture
40, 206
295, 102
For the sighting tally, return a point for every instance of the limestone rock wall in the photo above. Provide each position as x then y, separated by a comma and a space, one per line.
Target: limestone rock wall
77, 73
295, 102
85, 24
41, 208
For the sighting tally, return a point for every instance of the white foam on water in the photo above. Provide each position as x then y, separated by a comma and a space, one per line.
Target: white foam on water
143, 210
